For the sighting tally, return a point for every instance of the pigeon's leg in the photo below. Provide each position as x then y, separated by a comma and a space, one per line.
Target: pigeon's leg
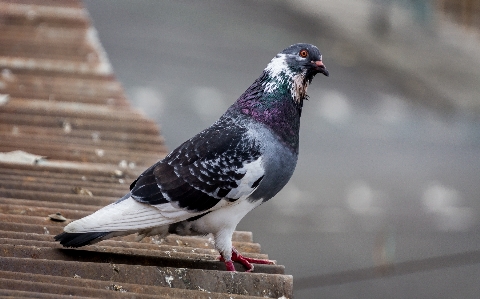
223, 243
228, 264
245, 261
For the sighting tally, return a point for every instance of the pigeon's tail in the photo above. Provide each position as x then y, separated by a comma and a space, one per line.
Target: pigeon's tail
81, 239
123, 217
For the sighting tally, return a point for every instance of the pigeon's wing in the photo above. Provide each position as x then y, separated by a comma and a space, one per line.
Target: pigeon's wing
219, 163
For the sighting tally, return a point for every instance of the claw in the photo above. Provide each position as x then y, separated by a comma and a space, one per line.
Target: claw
245, 261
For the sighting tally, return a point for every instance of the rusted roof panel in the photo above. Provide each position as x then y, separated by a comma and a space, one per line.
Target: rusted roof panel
70, 144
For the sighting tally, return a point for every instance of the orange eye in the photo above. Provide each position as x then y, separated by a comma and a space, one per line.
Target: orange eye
303, 53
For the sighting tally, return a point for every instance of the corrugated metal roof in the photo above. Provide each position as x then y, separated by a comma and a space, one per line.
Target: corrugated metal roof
71, 143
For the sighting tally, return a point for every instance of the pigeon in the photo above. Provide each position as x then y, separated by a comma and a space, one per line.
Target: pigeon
211, 181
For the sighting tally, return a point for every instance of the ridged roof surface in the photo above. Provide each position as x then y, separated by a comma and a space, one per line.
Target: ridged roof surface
70, 144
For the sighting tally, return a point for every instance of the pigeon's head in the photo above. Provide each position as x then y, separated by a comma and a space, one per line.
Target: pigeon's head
276, 97
295, 66
303, 59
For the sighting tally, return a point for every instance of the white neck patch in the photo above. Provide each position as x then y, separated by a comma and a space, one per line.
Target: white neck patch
280, 72
278, 65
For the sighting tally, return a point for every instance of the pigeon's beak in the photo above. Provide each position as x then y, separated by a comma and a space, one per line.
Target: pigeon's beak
320, 67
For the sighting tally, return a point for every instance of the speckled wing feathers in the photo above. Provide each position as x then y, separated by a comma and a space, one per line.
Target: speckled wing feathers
200, 172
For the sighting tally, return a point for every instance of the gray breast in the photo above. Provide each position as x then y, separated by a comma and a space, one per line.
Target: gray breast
279, 162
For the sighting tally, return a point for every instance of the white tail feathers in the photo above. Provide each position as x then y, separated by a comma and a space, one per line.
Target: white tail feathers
127, 215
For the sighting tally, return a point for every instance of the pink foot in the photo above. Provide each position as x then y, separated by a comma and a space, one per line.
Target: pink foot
229, 265
245, 261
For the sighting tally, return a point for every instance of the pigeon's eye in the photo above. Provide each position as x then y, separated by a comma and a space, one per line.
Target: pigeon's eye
303, 53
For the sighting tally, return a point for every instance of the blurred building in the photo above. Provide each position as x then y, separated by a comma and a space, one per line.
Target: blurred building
463, 12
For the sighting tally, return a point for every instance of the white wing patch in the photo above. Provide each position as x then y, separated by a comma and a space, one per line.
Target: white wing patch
253, 171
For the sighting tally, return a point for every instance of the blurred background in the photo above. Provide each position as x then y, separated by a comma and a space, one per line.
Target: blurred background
384, 202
